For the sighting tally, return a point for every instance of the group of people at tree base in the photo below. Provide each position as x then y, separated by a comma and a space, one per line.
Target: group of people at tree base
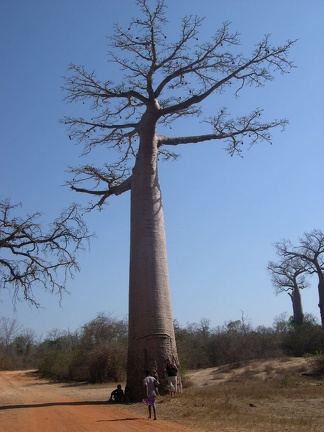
151, 384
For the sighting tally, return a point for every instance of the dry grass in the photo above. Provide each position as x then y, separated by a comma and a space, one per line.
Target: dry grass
271, 396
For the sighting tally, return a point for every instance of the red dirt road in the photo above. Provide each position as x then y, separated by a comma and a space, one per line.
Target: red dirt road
31, 405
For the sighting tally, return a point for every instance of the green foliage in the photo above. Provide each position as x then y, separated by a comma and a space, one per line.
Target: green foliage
303, 339
237, 342
97, 352
199, 346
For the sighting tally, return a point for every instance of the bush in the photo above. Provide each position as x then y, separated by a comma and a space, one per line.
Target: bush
106, 363
234, 342
303, 339
96, 354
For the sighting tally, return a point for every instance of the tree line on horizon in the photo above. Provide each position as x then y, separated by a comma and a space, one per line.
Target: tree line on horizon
97, 351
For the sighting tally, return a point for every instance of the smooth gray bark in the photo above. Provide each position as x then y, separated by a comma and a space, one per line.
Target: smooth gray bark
151, 330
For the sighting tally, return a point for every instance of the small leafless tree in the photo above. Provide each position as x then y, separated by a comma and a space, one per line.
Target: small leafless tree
31, 257
290, 276
161, 81
9, 328
306, 257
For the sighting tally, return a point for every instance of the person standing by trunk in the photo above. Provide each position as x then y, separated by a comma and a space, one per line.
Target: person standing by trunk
172, 371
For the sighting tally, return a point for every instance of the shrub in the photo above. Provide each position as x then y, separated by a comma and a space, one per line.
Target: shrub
303, 339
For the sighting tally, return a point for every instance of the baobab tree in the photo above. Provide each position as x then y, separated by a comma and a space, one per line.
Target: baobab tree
309, 252
290, 276
34, 258
161, 81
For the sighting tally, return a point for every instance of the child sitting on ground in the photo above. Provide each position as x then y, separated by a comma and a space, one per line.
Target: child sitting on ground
117, 395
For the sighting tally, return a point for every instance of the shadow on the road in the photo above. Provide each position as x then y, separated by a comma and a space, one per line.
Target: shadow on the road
50, 404
120, 419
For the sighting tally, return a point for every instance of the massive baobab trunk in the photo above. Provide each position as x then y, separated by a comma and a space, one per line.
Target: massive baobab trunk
151, 332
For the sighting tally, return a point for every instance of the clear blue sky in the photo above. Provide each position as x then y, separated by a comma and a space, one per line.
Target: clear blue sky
222, 214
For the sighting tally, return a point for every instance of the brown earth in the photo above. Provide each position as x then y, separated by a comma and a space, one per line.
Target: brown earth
28, 404
291, 399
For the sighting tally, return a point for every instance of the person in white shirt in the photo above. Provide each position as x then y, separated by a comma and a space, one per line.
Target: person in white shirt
150, 383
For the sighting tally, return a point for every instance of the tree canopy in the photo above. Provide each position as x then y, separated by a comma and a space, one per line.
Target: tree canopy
170, 79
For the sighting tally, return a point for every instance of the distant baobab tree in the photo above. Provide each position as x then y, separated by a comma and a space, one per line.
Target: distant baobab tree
306, 257
290, 276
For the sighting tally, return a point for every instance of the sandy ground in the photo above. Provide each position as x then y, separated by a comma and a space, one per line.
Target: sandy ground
28, 404
261, 369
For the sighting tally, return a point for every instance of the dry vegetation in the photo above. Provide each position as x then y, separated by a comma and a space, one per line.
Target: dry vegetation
269, 396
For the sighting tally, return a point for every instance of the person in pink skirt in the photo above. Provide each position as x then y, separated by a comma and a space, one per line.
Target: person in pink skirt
150, 383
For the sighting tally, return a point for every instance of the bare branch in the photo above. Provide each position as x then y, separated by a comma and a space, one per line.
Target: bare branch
310, 250
236, 132
31, 258
161, 81
115, 179
288, 275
